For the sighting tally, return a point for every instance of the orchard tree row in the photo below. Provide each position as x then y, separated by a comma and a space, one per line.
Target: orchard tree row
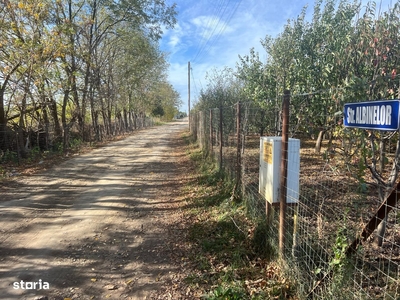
345, 51
82, 62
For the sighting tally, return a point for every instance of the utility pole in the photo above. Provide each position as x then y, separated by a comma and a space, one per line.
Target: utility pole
189, 93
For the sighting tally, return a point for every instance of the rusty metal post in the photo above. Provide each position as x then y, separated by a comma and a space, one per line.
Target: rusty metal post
284, 171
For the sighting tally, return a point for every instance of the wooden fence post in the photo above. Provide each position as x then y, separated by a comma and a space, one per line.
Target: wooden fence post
284, 171
200, 131
220, 138
236, 188
211, 134
238, 151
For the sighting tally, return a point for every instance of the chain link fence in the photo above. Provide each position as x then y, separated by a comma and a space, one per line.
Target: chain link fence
338, 197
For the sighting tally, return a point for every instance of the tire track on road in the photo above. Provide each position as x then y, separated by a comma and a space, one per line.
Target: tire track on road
77, 225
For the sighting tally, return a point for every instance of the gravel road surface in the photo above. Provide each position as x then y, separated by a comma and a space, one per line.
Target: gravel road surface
93, 226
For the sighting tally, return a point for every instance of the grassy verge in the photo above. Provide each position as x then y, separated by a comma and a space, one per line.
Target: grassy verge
231, 256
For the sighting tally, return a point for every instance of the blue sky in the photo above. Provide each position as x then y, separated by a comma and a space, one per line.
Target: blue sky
213, 33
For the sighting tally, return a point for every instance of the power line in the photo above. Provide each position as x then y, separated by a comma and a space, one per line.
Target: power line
205, 46
223, 28
194, 83
216, 19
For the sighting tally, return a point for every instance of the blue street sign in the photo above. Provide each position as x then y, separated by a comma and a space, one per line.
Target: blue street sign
380, 115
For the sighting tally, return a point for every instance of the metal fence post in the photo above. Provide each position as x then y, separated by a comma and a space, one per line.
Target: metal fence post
284, 171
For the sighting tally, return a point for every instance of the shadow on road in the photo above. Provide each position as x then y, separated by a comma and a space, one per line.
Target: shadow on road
94, 226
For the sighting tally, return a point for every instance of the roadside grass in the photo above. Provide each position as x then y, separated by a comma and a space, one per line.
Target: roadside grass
231, 256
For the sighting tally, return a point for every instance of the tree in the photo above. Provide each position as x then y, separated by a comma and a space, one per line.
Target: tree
379, 43
59, 58
166, 101
24, 54
223, 89
342, 53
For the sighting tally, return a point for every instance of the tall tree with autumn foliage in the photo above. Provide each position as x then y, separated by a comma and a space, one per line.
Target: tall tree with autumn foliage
58, 57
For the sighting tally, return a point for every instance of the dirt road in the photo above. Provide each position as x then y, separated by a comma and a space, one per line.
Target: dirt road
94, 226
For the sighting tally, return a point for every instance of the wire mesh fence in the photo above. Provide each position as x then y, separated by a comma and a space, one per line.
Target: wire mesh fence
329, 248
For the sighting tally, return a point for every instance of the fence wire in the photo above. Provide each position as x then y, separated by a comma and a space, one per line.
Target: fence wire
338, 196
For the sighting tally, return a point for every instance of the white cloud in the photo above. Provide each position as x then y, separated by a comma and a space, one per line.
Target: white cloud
174, 41
213, 38
210, 26
175, 36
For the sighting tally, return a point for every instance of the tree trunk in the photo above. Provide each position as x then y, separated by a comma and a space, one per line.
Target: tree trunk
87, 89
3, 120
130, 120
380, 231
20, 140
3, 123
75, 97
54, 115
382, 155
318, 144
46, 130
262, 123
126, 120
277, 123
96, 125
105, 122
135, 121
109, 121
64, 121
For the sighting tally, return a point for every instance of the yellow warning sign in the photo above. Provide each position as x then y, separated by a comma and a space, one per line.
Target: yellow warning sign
267, 151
